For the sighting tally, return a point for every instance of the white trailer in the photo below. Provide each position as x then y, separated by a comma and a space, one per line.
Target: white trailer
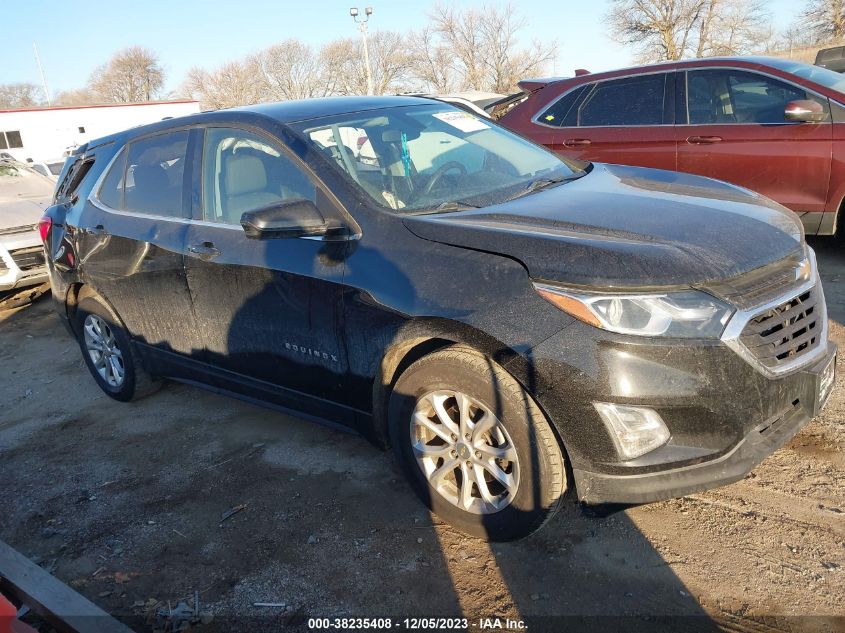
46, 134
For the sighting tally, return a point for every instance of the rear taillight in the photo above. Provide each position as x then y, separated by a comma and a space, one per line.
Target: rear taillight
44, 227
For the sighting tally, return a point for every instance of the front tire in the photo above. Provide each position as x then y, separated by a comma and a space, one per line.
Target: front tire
475, 446
108, 353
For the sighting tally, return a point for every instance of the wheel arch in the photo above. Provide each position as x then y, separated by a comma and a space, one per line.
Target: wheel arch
78, 291
419, 338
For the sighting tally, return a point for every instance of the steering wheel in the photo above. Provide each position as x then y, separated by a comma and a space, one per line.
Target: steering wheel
438, 174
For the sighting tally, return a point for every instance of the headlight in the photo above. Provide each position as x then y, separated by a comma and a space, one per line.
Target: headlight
686, 314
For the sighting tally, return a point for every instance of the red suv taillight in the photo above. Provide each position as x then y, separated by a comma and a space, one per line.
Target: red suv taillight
44, 227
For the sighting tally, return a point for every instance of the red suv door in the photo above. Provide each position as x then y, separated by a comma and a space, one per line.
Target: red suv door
737, 132
626, 121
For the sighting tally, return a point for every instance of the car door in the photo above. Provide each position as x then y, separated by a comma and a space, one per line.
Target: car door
268, 310
737, 132
625, 121
131, 238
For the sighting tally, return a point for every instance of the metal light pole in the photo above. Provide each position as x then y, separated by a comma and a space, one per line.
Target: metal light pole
43, 76
362, 26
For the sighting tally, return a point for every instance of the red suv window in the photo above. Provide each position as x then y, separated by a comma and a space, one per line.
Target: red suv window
643, 98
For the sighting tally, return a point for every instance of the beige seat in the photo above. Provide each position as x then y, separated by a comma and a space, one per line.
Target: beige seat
246, 187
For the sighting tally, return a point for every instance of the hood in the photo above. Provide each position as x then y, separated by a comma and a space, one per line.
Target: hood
21, 214
622, 226
24, 195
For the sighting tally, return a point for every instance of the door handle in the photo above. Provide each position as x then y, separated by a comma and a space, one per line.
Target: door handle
204, 250
577, 142
98, 230
704, 140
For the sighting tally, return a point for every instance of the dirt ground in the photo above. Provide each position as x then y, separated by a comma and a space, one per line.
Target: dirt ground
124, 503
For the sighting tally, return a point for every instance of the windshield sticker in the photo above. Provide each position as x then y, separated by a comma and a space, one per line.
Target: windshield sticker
461, 120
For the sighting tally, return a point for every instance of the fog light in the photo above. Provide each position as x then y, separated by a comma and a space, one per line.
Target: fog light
635, 430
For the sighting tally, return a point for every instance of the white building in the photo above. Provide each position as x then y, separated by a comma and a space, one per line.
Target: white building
45, 134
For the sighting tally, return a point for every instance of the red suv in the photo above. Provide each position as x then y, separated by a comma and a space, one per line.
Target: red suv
775, 126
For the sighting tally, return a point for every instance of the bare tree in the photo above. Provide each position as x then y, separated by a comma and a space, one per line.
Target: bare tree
344, 69
233, 84
432, 61
733, 27
673, 29
825, 20
485, 49
660, 29
80, 96
20, 95
131, 75
290, 70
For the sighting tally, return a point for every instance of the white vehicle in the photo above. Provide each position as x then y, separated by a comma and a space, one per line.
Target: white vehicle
24, 195
472, 101
50, 168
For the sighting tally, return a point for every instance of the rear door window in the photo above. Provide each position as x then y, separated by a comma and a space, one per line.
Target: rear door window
629, 101
154, 175
726, 96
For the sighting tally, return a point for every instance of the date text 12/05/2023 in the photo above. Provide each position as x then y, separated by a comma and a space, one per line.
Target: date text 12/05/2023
416, 624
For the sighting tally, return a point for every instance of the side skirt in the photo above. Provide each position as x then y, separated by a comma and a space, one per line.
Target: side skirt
222, 381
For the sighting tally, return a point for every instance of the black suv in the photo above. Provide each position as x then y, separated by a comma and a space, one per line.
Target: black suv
515, 324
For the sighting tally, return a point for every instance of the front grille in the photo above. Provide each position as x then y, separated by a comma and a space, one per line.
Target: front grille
761, 285
14, 230
29, 258
787, 331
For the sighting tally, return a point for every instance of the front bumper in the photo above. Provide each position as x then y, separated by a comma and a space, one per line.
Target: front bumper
22, 262
765, 438
724, 412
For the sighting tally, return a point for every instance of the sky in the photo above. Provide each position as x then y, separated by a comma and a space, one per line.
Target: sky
73, 37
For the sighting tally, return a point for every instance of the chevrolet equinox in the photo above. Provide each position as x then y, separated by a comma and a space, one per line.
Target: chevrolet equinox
515, 324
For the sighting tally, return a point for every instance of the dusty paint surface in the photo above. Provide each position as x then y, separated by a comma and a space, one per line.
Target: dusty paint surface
125, 502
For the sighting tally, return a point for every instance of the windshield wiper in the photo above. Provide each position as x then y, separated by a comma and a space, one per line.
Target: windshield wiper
455, 205
544, 183
445, 207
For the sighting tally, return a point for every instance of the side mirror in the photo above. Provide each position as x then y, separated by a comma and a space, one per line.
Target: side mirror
296, 218
804, 111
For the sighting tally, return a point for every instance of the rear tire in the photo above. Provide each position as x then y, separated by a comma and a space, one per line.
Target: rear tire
475, 446
108, 353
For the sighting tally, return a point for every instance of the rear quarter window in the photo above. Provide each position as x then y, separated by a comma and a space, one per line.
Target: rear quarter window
563, 112
111, 191
74, 178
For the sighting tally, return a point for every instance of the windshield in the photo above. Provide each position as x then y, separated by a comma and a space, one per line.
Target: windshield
433, 157
817, 74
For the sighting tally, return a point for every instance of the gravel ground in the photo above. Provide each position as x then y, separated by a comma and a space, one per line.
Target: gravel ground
124, 503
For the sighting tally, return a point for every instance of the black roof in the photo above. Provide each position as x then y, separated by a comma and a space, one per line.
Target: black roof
302, 109
282, 112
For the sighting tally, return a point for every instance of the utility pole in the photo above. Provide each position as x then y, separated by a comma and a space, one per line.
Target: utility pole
43, 77
362, 26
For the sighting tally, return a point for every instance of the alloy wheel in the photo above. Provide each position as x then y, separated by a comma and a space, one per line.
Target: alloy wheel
464, 451
102, 348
